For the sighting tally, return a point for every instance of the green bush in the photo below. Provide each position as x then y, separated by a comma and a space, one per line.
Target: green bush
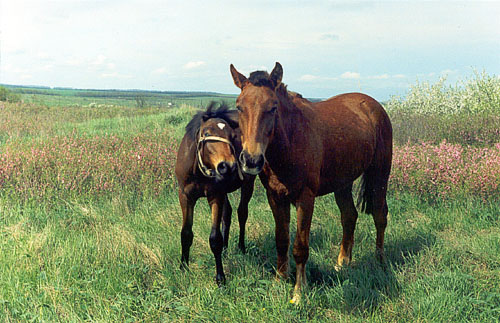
8, 95
480, 130
478, 95
467, 114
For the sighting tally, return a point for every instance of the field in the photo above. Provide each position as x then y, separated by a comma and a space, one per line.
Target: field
90, 223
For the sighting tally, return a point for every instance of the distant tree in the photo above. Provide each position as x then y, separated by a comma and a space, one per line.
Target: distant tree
7, 95
3, 94
140, 100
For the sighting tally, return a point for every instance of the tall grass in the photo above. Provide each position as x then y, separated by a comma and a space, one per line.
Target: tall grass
71, 166
446, 171
24, 120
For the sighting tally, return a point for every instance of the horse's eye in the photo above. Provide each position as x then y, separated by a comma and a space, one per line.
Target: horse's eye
273, 109
206, 134
239, 108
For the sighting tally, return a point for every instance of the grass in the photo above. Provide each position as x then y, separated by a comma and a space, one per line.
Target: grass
115, 256
118, 259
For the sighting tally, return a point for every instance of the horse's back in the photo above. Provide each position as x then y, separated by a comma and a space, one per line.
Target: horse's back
349, 106
349, 125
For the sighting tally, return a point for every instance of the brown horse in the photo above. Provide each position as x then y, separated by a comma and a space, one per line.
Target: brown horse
307, 149
207, 166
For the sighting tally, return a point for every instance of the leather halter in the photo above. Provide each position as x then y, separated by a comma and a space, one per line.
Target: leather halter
207, 172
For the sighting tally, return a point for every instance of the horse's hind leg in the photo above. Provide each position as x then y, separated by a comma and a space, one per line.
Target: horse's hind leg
380, 211
226, 222
348, 215
246, 195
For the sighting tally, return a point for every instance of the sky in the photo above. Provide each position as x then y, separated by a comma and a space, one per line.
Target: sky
325, 47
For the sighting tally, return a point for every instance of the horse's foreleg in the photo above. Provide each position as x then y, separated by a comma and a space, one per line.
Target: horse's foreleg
187, 206
217, 203
349, 216
281, 213
227, 210
305, 208
246, 195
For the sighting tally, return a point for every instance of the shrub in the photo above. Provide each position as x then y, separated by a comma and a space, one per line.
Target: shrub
8, 95
480, 130
478, 95
468, 113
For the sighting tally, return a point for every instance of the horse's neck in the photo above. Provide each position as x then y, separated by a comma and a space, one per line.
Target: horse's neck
289, 119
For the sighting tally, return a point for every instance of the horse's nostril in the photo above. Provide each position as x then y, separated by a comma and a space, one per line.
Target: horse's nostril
260, 161
222, 168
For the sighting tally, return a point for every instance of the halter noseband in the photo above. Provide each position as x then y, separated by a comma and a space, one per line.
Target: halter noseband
207, 172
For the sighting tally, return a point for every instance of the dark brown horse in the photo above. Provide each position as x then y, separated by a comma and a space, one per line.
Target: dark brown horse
307, 149
207, 166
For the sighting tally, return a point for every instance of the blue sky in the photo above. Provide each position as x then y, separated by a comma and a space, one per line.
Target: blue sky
325, 47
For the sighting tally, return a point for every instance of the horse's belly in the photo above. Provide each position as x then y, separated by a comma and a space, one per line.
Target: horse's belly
342, 167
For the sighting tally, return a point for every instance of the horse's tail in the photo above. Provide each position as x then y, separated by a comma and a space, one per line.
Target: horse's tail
373, 185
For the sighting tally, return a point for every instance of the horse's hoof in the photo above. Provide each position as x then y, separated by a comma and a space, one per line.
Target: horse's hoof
281, 276
220, 280
380, 255
338, 268
342, 262
296, 299
184, 266
243, 249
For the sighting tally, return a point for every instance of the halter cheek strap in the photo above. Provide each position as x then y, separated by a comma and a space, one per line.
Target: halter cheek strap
207, 172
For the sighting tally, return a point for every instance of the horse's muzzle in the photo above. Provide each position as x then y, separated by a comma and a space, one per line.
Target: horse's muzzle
224, 168
251, 165
225, 171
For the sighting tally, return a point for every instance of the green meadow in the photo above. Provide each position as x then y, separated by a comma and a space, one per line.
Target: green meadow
90, 221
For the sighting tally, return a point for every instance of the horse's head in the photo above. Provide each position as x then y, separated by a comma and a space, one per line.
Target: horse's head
215, 149
257, 106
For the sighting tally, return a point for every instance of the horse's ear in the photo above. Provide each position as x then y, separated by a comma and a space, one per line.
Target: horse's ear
276, 74
238, 78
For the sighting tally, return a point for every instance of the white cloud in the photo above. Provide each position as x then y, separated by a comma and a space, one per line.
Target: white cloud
330, 37
308, 78
116, 75
191, 65
350, 75
99, 60
160, 71
74, 61
448, 72
43, 56
314, 78
380, 77
47, 67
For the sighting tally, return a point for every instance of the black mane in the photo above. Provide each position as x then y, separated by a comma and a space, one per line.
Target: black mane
260, 78
222, 112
